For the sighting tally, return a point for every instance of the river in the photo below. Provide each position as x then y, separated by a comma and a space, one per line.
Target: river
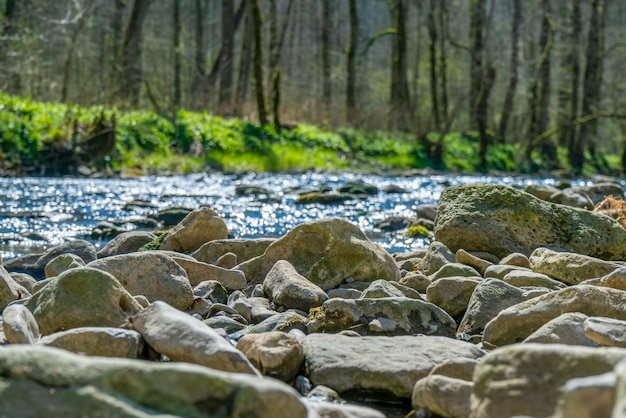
38, 213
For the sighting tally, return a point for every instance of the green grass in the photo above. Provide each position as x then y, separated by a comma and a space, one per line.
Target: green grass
147, 142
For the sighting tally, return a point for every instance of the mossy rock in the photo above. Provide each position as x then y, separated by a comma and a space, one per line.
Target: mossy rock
502, 220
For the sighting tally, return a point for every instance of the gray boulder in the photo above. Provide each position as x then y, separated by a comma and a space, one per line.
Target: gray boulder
521, 278
244, 249
276, 354
198, 272
182, 337
126, 242
528, 379
489, 298
516, 323
19, 325
445, 396
452, 294
588, 397
606, 331
34, 265
569, 268
436, 257
564, 329
378, 367
501, 220
286, 287
197, 228
326, 252
81, 297
97, 341
48, 382
398, 316
382, 289
61, 263
151, 274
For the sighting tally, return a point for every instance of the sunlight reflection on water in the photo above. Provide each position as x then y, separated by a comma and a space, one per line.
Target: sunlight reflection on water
42, 212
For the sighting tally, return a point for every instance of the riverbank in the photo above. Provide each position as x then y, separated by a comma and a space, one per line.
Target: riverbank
44, 139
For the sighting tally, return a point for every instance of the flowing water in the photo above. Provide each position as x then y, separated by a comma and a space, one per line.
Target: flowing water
37, 213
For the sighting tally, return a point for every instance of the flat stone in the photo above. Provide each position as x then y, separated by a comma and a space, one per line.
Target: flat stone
97, 341
381, 289
521, 278
126, 242
378, 367
452, 294
564, 329
471, 260
198, 272
445, 396
569, 268
276, 354
516, 323
588, 397
244, 249
606, 331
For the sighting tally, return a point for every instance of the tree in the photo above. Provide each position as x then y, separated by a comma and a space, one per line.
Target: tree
277, 38
226, 57
540, 93
325, 40
177, 54
591, 86
477, 22
507, 108
569, 96
258, 62
244, 63
130, 74
432, 33
350, 63
8, 28
80, 20
400, 101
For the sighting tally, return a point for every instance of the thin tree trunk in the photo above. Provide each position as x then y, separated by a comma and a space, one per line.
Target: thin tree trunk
591, 84
277, 39
351, 71
226, 60
572, 64
276, 97
488, 80
8, 27
177, 55
326, 93
547, 146
200, 55
477, 20
443, 59
400, 101
507, 108
432, 32
258, 62
67, 67
131, 71
244, 63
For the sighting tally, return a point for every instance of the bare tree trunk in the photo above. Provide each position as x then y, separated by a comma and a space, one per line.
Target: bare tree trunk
540, 93
326, 93
591, 85
487, 80
400, 101
432, 32
443, 59
351, 72
276, 97
177, 55
276, 45
569, 97
116, 26
8, 27
258, 62
477, 21
509, 99
200, 50
226, 60
67, 67
131, 71
244, 63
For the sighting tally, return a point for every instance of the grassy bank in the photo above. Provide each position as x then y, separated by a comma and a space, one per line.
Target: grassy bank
35, 136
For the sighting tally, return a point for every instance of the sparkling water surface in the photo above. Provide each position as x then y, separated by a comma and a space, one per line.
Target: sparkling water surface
38, 213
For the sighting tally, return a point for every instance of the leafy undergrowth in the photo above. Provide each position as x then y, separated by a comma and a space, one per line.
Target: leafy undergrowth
147, 142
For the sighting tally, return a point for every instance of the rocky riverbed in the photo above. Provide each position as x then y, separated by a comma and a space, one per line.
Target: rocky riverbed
517, 308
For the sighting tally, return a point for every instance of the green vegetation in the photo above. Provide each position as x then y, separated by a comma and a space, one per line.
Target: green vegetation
417, 231
35, 135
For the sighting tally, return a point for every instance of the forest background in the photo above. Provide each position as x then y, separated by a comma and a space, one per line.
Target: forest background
473, 85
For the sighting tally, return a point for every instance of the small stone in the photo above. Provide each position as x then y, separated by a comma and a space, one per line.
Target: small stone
19, 325
227, 261
61, 263
436, 257
471, 260
564, 329
606, 331
97, 341
197, 228
276, 354
516, 259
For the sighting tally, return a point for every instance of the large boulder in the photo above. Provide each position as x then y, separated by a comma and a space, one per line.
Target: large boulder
383, 316
82, 297
286, 287
151, 274
34, 265
326, 252
380, 367
528, 379
501, 220
197, 228
48, 382
182, 337
517, 322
